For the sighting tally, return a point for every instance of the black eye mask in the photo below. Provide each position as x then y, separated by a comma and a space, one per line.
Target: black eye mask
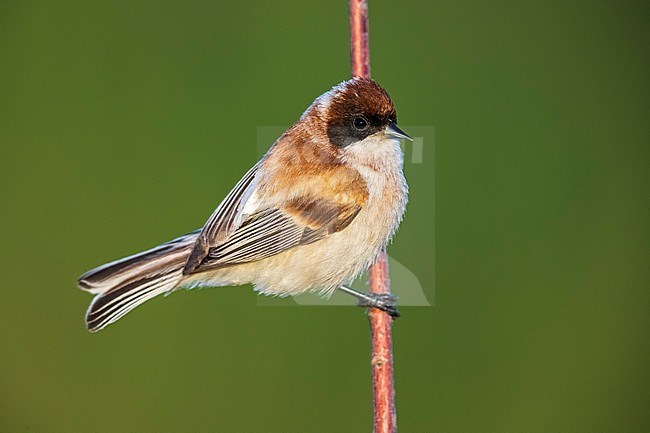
354, 128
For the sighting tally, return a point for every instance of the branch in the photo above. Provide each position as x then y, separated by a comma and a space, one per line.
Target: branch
359, 40
380, 322
383, 385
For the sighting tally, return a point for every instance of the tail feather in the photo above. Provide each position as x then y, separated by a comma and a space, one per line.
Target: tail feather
132, 268
111, 306
124, 284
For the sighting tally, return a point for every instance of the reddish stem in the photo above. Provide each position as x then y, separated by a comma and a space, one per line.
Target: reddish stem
380, 322
382, 353
359, 40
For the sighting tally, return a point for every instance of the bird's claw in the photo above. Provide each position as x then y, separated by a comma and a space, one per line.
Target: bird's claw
382, 301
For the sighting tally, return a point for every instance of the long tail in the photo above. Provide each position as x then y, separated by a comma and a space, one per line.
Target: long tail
124, 284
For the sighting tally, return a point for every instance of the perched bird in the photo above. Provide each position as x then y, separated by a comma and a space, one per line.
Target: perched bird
310, 216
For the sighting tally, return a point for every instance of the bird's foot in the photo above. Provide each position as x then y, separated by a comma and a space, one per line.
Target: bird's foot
382, 301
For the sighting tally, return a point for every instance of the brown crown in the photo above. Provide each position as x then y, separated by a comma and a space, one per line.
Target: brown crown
361, 96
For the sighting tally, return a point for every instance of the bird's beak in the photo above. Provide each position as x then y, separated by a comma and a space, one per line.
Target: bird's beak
393, 131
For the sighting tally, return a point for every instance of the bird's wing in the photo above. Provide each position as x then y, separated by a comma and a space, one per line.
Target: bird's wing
248, 230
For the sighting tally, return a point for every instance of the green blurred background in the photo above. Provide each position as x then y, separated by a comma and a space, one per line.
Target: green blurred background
122, 124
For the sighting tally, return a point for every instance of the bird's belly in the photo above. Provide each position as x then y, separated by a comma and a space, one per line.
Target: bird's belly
337, 259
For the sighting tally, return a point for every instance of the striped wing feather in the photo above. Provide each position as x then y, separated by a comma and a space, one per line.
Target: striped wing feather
270, 226
272, 231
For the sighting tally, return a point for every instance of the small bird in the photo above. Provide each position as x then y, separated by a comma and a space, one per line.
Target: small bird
314, 213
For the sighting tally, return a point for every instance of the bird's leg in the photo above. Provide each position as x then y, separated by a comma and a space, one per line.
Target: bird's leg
382, 301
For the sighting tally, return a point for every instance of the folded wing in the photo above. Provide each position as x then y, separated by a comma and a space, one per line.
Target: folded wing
231, 238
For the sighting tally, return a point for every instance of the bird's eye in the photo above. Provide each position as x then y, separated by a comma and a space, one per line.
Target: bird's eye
360, 123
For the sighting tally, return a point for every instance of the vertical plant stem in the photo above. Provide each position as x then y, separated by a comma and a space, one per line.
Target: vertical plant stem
383, 386
385, 419
359, 39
